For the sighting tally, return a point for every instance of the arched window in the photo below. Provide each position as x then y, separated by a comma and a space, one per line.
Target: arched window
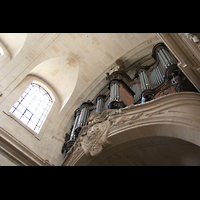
33, 106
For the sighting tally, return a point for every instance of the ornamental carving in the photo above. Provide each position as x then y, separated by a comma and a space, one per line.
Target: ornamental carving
194, 37
94, 139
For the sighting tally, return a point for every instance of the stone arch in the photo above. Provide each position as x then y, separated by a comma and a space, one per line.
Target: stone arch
173, 116
13, 42
146, 136
61, 73
5, 56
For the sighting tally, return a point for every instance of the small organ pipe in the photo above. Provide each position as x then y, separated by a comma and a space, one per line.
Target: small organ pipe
99, 106
162, 61
146, 80
152, 78
162, 72
117, 94
112, 92
115, 91
169, 56
160, 75
142, 81
144, 86
164, 58
158, 78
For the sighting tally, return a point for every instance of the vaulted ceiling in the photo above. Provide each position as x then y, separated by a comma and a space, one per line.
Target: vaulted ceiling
71, 63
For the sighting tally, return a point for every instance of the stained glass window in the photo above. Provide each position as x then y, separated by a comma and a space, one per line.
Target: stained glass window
33, 106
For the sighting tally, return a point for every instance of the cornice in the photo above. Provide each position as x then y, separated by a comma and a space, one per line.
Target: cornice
18, 152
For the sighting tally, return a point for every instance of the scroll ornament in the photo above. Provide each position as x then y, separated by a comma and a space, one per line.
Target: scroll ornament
194, 37
94, 137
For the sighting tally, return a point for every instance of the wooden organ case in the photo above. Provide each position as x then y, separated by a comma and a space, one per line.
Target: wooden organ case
149, 82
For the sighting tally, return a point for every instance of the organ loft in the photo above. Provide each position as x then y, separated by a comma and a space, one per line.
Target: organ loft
150, 82
99, 99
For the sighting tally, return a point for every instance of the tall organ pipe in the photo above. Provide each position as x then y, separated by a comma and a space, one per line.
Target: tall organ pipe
85, 110
74, 127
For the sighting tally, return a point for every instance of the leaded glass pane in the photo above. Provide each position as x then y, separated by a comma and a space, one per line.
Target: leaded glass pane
33, 106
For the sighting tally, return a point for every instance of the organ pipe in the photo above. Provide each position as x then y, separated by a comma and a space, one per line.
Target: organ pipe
74, 127
99, 105
142, 81
146, 80
82, 118
167, 54
160, 75
164, 58
162, 61
114, 93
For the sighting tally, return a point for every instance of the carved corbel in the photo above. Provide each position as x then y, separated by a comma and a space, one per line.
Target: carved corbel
94, 139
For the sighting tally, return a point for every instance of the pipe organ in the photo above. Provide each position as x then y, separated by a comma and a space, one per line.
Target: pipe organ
158, 79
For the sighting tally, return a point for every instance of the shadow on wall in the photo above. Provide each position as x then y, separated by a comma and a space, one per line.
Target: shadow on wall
61, 73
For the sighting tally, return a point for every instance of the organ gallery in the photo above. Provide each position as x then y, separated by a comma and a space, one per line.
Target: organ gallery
99, 99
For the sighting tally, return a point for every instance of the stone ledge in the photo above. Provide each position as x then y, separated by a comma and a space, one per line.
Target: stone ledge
19, 152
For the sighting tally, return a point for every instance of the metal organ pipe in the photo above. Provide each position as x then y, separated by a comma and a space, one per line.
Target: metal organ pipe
136, 89
117, 91
142, 81
79, 120
156, 78
146, 80
164, 58
114, 93
74, 127
84, 116
99, 105
161, 71
160, 75
162, 61
152, 78
167, 54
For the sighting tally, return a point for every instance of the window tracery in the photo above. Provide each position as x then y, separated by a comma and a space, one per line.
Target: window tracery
33, 107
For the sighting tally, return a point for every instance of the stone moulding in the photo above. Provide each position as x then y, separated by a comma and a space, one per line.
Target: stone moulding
18, 152
173, 108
